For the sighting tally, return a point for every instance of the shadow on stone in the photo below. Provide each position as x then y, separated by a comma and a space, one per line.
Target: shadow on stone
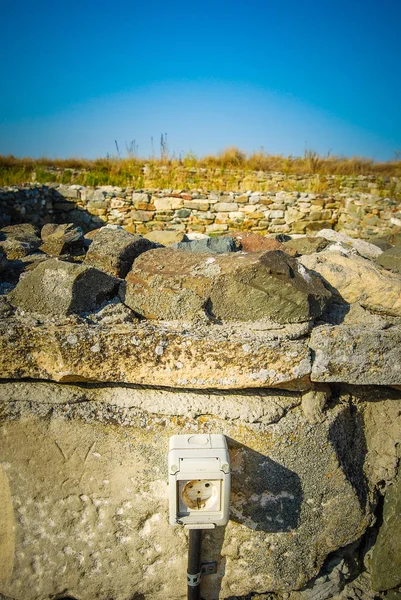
337, 308
264, 494
347, 436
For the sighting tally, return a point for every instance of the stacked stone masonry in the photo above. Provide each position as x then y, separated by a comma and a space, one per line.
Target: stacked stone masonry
360, 207
110, 344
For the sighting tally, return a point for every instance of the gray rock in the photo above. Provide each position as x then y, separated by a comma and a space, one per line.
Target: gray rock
114, 250
391, 259
169, 284
215, 245
356, 355
363, 248
386, 557
18, 241
381, 243
61, 239
60, 288
307, 244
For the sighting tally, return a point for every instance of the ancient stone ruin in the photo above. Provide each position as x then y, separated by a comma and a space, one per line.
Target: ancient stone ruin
112, 341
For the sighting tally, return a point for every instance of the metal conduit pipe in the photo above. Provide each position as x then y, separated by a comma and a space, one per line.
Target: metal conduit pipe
194, 564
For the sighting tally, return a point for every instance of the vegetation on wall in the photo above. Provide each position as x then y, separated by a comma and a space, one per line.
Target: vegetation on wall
221, 171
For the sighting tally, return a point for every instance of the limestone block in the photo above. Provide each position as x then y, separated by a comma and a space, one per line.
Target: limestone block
140, 197
7, 527
114, 250
225, 207
381, 415
274, 214
203, 356
59, 288
163, 203
118, 203
356, 279
354, 354
307, 244
142, 215
166, 237
68, 191
248, 209
197, 204
236, 286
91, 507
292, 214
215, 228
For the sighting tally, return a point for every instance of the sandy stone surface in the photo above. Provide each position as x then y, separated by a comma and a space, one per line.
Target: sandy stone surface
90, 508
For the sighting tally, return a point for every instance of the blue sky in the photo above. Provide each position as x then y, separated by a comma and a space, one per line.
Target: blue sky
285, 75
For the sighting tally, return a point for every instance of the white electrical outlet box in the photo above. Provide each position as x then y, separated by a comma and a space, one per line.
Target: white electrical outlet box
199, 480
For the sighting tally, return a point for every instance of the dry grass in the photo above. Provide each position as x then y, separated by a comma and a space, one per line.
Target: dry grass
223, 170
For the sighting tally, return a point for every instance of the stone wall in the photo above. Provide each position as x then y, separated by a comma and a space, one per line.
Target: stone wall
293, 354
360, 206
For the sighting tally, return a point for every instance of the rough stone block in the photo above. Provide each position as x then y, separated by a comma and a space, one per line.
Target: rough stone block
236, 286
18, 241
114, 250
386, 556
390, 259
61, 239
355, 279
60, 288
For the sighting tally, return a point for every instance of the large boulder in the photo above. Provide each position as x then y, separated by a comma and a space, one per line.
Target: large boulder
60, 288
114, 250
18, 241
61, 239
169, 284
355, 279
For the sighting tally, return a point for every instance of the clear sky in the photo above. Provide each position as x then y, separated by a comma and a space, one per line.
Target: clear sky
285, 75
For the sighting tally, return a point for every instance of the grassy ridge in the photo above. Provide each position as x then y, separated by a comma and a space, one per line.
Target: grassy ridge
222, 170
